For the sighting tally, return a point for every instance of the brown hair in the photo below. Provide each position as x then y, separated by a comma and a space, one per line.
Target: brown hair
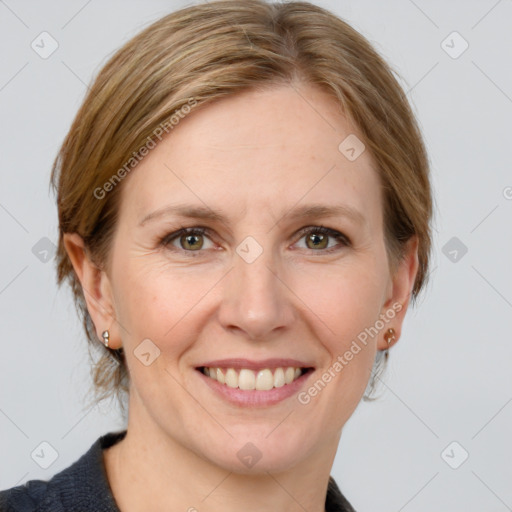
207, 52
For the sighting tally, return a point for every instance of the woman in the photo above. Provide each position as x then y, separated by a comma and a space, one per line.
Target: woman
244, 211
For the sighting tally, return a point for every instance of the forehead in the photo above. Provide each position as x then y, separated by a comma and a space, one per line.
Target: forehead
258, 151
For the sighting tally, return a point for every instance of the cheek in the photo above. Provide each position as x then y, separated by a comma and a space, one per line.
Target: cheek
160, 303
347, 307
151, 307
346, 298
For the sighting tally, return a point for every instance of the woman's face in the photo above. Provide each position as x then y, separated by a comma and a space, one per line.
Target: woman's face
259, 290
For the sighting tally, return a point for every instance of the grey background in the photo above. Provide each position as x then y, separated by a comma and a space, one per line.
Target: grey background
449, 377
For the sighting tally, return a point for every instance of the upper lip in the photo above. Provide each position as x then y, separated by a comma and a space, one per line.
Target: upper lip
250, 364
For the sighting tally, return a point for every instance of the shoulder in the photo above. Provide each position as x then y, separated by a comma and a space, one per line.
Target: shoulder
83, 486
22, 497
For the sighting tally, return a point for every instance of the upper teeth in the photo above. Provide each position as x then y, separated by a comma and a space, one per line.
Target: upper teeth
261, 380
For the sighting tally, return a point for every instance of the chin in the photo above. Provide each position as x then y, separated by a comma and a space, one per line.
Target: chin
264, 462
262, 451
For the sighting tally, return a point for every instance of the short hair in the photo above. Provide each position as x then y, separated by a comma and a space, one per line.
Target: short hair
205, 53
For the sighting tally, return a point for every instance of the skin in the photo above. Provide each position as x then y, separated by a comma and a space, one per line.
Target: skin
254, 157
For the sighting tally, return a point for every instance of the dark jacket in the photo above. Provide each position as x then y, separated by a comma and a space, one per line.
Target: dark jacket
83, 487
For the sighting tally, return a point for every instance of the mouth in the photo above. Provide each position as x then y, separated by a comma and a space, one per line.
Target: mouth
259, 379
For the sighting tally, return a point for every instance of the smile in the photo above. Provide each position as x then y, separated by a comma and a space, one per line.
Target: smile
246, 379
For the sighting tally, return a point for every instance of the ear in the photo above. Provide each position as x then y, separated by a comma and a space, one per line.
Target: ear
399, 293
96, 288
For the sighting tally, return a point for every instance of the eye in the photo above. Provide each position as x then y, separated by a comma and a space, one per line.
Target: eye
317, 238
189, 239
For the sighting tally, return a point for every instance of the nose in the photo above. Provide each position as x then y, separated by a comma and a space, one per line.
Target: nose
256, 300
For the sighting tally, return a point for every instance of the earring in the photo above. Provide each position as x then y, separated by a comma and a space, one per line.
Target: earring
105, 336
390, 335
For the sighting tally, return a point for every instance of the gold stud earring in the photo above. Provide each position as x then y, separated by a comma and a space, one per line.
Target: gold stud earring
390, 335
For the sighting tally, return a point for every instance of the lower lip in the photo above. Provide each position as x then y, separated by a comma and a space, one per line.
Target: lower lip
253, 397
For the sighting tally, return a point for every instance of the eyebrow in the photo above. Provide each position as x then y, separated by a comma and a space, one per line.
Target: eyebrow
313, 211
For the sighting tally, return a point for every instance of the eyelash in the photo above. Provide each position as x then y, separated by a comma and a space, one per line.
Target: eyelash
199, 230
